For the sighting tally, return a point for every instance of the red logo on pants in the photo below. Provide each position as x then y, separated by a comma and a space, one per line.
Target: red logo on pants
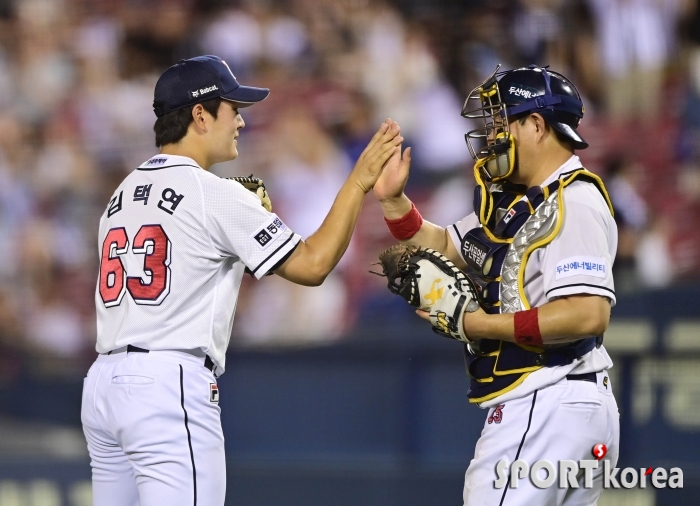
497, 414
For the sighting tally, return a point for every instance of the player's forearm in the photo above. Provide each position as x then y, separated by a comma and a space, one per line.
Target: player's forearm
560, 321
395, 208
327, 245
429, 236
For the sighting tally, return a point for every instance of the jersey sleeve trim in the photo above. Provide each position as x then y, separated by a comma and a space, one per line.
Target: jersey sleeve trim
273, 259
284, 258
459, 236
456, 238
575, 289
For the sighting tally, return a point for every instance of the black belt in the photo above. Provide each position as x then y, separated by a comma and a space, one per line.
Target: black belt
590, 376
208, 363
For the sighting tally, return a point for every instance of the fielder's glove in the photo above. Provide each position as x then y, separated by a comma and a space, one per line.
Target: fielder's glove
429, 281
257, 186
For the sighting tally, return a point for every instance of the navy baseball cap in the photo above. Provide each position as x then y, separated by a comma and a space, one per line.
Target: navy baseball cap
198, 79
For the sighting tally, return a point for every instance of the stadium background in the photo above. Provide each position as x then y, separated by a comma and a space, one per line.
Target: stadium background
336, 395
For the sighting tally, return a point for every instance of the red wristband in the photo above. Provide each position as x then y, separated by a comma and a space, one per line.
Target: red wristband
407, 226
527, 327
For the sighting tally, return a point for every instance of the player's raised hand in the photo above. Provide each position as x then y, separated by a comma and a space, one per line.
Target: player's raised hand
383, 145
393, 178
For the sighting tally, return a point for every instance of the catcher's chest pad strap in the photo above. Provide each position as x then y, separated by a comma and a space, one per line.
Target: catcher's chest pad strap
499, 367
492, 202
502, 213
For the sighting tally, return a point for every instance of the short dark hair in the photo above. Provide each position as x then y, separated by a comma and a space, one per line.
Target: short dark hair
172, 127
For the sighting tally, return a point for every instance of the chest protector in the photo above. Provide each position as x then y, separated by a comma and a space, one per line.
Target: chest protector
515, 221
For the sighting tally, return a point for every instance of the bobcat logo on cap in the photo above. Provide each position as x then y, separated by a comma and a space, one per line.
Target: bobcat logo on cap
203, 91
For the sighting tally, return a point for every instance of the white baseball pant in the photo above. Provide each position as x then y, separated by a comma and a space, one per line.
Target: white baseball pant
153, 429
563, 421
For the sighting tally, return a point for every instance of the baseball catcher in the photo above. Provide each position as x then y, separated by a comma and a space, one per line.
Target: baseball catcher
533, 296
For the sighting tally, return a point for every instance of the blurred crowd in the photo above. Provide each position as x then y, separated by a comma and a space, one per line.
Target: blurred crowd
76, 91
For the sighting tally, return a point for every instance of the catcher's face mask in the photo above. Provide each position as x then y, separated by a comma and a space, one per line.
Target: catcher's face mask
508, 94
492, 146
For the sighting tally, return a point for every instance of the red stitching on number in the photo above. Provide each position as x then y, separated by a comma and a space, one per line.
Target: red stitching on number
150, 241
156, 264
116, 243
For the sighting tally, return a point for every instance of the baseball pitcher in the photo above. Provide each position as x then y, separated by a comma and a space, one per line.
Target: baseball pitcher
174, 242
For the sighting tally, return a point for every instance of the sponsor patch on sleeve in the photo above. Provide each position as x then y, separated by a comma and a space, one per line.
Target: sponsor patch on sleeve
271, 230
582, 266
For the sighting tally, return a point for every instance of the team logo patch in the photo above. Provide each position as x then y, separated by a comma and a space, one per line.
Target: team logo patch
605, 382
213, 392
578, 266
497, 415
435, 294
269, 232
263, 238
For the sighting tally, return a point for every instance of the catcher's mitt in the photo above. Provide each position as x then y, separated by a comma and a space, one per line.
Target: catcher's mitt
428, 280
257, 186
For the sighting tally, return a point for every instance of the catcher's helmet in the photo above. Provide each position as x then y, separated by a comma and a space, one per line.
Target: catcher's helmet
513, 92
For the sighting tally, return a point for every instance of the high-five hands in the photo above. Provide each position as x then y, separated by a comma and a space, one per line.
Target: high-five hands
391, 182
385, 143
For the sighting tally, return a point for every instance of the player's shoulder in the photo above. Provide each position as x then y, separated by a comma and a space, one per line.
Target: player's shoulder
212, 182
584, 193
226, 195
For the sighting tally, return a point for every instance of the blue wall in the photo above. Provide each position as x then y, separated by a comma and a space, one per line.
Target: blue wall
383, 419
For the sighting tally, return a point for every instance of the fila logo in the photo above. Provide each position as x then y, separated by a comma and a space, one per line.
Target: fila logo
203, 91
213, 392
509, 216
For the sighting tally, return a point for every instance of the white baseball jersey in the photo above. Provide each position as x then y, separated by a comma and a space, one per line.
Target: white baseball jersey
578, 261
174, 243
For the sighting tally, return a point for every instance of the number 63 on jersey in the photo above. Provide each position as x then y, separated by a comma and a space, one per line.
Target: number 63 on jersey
152, 242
